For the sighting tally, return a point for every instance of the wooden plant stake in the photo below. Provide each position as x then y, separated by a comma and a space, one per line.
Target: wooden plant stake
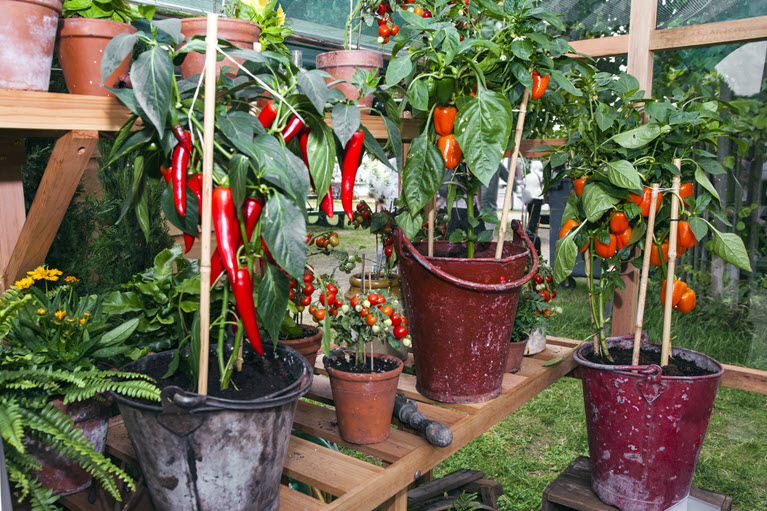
211, 39
645, 274
362, 289
431, 215
666, 346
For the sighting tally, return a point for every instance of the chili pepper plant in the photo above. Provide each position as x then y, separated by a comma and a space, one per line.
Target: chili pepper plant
263, 164
463, 69
612, 157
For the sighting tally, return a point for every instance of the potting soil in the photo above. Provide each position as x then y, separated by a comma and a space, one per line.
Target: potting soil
677, 366
349, 365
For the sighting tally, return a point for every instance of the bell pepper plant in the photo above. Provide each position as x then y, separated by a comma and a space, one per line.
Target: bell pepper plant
613, 157
263, 164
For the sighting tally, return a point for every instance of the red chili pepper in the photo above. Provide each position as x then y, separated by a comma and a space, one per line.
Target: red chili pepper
294, 126
251, 210
540, 82
352, 154
183, 137
246, 308
166, 174
195, 184
268, 114
216, 266
227, 229
327, 201
179, 167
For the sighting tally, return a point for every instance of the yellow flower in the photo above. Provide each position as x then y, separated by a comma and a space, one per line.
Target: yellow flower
280, 15
60, 315
71, 279
42, 272
83, 321
24, 283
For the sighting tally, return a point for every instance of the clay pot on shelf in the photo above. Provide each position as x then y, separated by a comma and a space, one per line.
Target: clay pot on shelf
241, 33
516, 354
343, 64
307, 346
27, 37
81, 43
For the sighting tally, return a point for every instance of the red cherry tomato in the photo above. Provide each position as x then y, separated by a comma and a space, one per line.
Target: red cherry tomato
400, 332
338, 303
388, 251
394, 30
308, 278
354, 301
384, 31
306, 300
308, 290
396, 319
538, 279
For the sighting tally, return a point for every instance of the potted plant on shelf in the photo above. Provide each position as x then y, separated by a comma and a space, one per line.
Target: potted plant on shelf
364, 384
636, 397
262, 166
463, 84
541, 290
53, 395
85, 30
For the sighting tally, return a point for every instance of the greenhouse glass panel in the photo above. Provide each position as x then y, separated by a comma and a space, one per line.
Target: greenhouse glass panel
591, 19
679, 13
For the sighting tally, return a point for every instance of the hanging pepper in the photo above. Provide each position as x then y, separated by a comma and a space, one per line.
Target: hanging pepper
166, 174
268, 115
195, 184
352, 154
444, 119
227, 230
246, 308
327, 201
451, 151
294, 126
183, 137
216, 266
251, 211
540, 82
179, 166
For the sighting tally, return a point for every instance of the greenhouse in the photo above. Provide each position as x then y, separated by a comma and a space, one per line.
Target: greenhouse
383, 254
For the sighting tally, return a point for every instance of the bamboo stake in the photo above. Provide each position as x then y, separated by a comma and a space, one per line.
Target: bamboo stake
362, 289
590, 276
666, 347
514, 155
431, 214
645, 274
211, 38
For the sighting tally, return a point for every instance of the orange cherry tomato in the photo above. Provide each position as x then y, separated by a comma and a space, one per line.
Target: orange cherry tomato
655, 257
606, 251
370, 320
319, 314
623, 238
619, 222
578, 184
387, 310
418, 11
678, 289
686, 302
684, 235
450, 150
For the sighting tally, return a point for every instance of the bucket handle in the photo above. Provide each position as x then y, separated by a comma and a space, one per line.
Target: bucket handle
516, 226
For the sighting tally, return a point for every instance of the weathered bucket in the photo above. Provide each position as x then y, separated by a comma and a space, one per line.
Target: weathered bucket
199, 453
461, 312
645, 429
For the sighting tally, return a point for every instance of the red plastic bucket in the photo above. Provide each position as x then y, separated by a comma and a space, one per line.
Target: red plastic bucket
461, 315
645, 430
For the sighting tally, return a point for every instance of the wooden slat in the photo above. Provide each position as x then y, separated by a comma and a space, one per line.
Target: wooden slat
696, 36
12, 211
409, 128
28, 110
743, 378
118, 443
326, 469
526, 145
322, 422
292, 499
62, 175
407, 386
602, 47
397, 503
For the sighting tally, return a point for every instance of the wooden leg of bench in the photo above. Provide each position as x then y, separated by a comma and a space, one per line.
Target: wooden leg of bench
396, 503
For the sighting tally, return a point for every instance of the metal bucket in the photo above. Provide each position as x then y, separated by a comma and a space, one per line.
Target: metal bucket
200, 453
645, 429
461, 312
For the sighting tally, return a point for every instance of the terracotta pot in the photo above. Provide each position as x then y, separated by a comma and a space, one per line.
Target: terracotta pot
515, 356
364, 402
536, 341
80, 47
27, 36
307, 346
462, 360
343, 64
241, 33
390, 285
59, 473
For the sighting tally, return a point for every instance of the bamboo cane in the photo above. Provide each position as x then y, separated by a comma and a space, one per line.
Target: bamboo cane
514, 155
211, 39
645, 274
362, 284
666, 346
431, 214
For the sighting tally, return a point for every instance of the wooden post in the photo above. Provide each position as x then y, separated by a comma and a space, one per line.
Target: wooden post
514, 155
430, 214
666, 347
645, 274
209, 121
12, 211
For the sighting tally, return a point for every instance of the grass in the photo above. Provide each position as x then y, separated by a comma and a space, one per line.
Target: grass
526, 451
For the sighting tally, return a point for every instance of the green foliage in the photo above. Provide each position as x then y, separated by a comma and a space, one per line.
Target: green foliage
116, 10
268, 15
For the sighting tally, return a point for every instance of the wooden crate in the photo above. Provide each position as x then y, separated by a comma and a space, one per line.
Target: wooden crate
571, 491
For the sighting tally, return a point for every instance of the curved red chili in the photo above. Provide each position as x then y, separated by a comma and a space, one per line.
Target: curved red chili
268, 114
179, 166
166, 174
251, 211
540, 82
227, 229
183, 137
195, 184
216, 266
294, 126
327, 203
352, 154
246, 308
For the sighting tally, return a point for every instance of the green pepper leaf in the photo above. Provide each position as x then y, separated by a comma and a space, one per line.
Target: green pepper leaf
398, 69
346, 120
273, 300
409, 223
623, 175
115, 52
239, 166
284, 230
565, 253
152, 76
596, 200
729, 247
424, 172
321, 153
419, 95
637, 137
702, 178
699, 227
312, 83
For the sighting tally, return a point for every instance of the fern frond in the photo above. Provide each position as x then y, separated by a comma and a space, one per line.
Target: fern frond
39, 497
131, 388
11, 424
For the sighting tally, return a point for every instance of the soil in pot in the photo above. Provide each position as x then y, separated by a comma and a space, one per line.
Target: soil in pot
622, 356
351, 365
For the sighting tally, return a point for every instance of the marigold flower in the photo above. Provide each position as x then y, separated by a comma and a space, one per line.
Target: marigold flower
83, 321
71, 279
60, 315
24, 283
44, 273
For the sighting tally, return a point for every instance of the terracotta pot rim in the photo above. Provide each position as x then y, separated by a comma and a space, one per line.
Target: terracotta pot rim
356, 279
348, 58
56, 5
366, 377
93, 27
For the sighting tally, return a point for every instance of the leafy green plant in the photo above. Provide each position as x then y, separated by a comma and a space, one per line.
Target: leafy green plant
117, 10
269, 16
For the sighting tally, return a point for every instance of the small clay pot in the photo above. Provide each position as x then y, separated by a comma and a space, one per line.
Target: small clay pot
307, 346
343, 64
515, 356
364, 402
81, 45
241, 33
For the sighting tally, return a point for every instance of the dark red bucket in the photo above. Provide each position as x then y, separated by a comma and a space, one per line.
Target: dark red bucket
645, 430
461, 315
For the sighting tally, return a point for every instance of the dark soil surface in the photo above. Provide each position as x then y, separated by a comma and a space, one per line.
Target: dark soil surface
349, 364
259, 377
676, 366
305, 332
